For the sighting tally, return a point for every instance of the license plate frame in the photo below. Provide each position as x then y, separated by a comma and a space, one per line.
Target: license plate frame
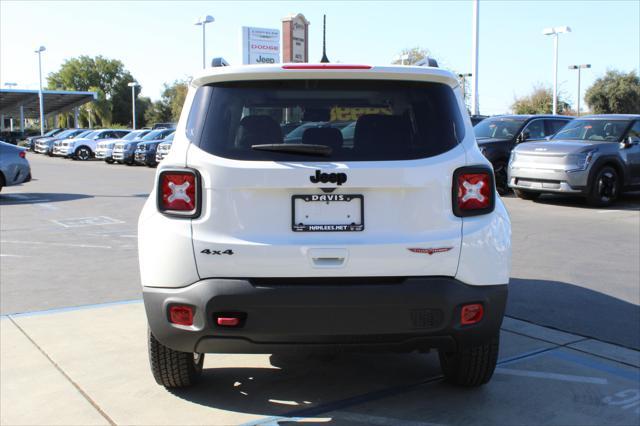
327, 198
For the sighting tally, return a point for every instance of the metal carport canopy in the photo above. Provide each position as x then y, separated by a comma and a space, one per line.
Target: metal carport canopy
55, 102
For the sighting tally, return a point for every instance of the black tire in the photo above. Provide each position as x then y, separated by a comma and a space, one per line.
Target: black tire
605, 187
83, 154
109, 160
2, 181
526, 195
471, 366
502, 180
173, 369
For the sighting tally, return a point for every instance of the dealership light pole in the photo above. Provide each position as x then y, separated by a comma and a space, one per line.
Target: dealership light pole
554, 32
40, 97
204, 20
474, 57
133, 86
579, 67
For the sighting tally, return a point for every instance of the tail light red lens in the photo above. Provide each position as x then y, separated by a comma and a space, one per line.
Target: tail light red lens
22, 154
181, 314
473, 191
179, 193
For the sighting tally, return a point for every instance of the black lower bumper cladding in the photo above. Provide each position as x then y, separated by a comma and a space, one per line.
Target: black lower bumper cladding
369, 314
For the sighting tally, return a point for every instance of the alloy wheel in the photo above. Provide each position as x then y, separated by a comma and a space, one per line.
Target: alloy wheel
607, 186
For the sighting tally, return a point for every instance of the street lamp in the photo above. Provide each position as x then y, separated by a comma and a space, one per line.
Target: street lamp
133, 86
39, 52
554, 32
204, 20
579, 67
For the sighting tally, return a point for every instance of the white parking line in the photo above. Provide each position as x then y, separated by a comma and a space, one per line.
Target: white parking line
55, 244
87, 221
552, 376
48, 206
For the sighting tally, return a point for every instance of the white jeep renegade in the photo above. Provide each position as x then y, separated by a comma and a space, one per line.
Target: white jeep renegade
324, 207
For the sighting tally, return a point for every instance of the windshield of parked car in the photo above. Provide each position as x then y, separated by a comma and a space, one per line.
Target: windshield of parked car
92, 134
498, 127
169, 138
65, 134
51, 133
593, 130
157, 134
83, 134
392, 120
133, 136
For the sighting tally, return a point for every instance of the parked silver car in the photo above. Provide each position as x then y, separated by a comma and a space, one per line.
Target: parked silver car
596, 156
45, 145
163, 149
124, 152
14, 166
55, 149
104, 151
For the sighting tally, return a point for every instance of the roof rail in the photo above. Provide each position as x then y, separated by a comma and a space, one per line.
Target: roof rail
427, 62
219, 62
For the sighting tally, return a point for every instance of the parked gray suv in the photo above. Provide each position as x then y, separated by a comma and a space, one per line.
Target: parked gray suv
596, 156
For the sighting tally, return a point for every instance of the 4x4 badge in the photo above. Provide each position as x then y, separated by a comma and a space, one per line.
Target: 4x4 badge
430, 251
338, 178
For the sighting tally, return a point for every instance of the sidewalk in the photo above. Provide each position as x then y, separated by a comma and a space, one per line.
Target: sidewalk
88, 366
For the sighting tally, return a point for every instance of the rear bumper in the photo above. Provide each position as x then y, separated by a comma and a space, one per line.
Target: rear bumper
403, 314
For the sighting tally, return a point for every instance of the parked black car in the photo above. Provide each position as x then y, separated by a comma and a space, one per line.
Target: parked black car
145, 153
498, 135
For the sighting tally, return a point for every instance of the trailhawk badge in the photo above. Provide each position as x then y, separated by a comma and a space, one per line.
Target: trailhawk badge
430, 251
338, 178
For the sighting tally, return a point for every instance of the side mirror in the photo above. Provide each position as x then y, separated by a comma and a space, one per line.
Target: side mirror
630, 141
523, 136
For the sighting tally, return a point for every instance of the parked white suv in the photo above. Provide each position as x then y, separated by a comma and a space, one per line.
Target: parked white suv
393, 240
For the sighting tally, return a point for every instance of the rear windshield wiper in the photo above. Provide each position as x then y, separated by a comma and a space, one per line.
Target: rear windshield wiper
294, 148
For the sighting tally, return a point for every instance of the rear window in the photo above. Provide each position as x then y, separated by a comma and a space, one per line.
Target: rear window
358, 120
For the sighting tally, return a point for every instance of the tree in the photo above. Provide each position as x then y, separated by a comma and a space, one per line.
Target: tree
412, 55
615, 93
540, 101
108, 77
415, 54
169, 107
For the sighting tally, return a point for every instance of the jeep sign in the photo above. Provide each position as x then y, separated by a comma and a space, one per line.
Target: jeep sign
260, 46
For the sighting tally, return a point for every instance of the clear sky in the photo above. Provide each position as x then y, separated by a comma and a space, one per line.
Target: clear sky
158, 42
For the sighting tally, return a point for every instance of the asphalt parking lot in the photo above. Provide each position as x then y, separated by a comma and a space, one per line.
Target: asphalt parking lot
72, 323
